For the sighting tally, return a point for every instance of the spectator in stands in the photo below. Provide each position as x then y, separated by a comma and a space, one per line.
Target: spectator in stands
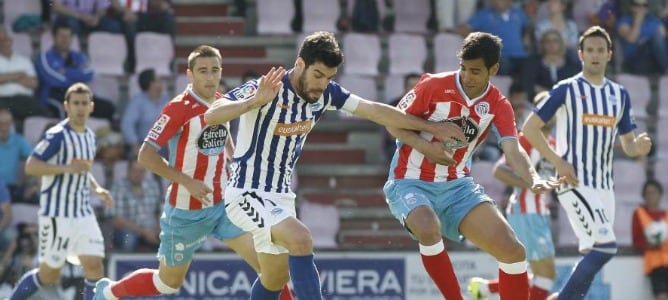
643, 39
17, 81
7, 232
84, 16
143, 15
552, 63
136, 211
60, 67
648, 229
110, 150
509, 23
143, 109
450, 13
13, 149
557, 20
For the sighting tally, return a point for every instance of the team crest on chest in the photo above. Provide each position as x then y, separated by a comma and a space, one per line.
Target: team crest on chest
211, 140
482, 108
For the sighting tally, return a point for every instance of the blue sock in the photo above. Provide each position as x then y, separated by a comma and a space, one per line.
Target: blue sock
584, 272
89, 286
259, 292
305, 278
27, 286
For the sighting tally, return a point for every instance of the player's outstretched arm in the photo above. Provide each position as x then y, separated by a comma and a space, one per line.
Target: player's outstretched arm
636, 145
35, 166
103, 193
520, 162
435, 152
391, 116
223, 110
532, 130
506, 175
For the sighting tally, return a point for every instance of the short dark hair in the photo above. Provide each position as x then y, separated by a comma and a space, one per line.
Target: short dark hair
60, 24
410, 76
481, 45
203, 51
321, 47
78, 88
593, 32
145, 78
652, 182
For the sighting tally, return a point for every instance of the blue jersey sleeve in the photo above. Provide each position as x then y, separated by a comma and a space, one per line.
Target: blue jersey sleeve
626, 124
243, 92
339, 95
48, 146
556, 99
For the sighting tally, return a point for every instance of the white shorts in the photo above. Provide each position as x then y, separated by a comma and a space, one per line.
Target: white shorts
591, 213
256, 212
67, 238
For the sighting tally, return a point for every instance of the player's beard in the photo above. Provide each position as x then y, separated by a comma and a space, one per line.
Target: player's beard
303, 92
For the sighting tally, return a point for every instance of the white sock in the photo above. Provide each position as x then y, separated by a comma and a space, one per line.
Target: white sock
432, 250
161, 286
108, 294
543, 283
513, 268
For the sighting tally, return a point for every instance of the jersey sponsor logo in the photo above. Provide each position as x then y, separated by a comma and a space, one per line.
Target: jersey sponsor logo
160, 124
450, 91
407, 100
39, 149
482, 108
211, 140
297, 128
468, 126
245, 92
598, 120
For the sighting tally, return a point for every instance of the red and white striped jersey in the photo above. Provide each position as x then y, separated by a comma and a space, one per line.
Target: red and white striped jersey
135, 5
195, 149
523, 200
441, 98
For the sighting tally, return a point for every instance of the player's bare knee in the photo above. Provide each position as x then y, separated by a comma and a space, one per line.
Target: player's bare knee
275, 281
510, 251
300, 243
48, 276
93, 269
424, 224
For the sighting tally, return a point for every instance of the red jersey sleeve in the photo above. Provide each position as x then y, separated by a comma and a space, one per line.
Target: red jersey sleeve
504, 119
167, 125
416, 101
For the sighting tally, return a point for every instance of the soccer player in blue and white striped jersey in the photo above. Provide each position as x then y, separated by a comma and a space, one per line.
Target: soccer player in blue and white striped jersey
68, 229
590, 111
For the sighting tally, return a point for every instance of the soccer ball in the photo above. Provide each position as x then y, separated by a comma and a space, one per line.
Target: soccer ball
656, 233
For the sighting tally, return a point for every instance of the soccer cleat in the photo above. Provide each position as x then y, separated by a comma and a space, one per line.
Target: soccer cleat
100, 285
478, 288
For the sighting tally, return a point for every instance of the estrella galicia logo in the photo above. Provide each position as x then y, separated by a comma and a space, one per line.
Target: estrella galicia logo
211, 141
469, 128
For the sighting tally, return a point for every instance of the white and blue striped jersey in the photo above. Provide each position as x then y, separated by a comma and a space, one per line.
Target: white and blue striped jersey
65, 195
588, 118
271, 137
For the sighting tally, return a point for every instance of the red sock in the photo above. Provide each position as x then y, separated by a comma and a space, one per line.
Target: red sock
493, 286
513, 286
286, 294
139, 283
537, 293
440, 270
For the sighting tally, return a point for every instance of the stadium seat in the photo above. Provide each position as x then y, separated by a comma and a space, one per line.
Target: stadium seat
154, 50
661, 140
106, 87
323, 222
24, 213
407, 53
362, 53
320, 15
22, 44
274, 16
446, 46
46, 42
96, 124
104, 59
97, 170
663, 97
363, 86
13, 9
393, 87
660, 172
639, 91
627, 195
411, 16
481, 172
34, 127
180, 83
